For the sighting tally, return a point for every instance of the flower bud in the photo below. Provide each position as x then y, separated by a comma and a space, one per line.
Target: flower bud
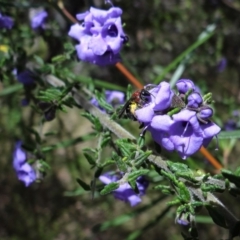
205, 113
184, 85
194, 100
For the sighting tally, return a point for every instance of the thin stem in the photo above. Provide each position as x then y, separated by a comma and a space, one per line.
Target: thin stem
129, 76
66, 13
210, 158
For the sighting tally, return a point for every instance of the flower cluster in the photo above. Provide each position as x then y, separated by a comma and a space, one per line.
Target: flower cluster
24, 170
39, 19
6, 22
125, 192
100, 36
178, 121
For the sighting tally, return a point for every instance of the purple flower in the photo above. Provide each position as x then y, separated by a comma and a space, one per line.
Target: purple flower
184, 219
230, 125
177, 121
125, 192
114, 98
222, 64
39, 19
100, 35
23, 169
6, 22
26, 77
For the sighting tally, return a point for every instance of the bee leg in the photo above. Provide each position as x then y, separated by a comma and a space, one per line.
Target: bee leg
143, 130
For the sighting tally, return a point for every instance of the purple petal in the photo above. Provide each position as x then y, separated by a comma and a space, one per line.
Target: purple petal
26, 77
162, 122
106, 179
209, 130
101, 15
145, 114
164, 97
162, 138
6, 22
81, 16
26, 174
125, 192
113, 97
76, 31
97, 45
19, 156
39, 19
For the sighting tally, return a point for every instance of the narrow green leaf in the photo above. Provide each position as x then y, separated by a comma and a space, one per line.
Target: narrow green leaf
229, 134
141, 158
98, 172
216, 217
90, 158
84, 185
11, 89
105, 141
119, 161
134, 175
39, 60
109, 188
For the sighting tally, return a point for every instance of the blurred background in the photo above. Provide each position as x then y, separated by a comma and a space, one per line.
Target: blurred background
159, 32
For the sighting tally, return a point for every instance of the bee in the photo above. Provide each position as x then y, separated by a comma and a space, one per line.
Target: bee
138, 99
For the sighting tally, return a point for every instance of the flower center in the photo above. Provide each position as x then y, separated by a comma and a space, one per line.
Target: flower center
112, 30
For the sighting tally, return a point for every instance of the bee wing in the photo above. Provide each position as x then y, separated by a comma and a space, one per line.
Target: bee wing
150, 86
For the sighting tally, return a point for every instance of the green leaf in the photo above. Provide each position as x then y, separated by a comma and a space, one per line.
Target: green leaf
39, 60
231, 177
95, 121
229, 134
105, 141
141, 141
98, 172
178, 167
48, 148
216, 217
11, 89
109, 188
51, 133
134, 175
142, 157
77, 192
90, 158
84, 185
126, 147
119, 161
59, 58
102, 102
